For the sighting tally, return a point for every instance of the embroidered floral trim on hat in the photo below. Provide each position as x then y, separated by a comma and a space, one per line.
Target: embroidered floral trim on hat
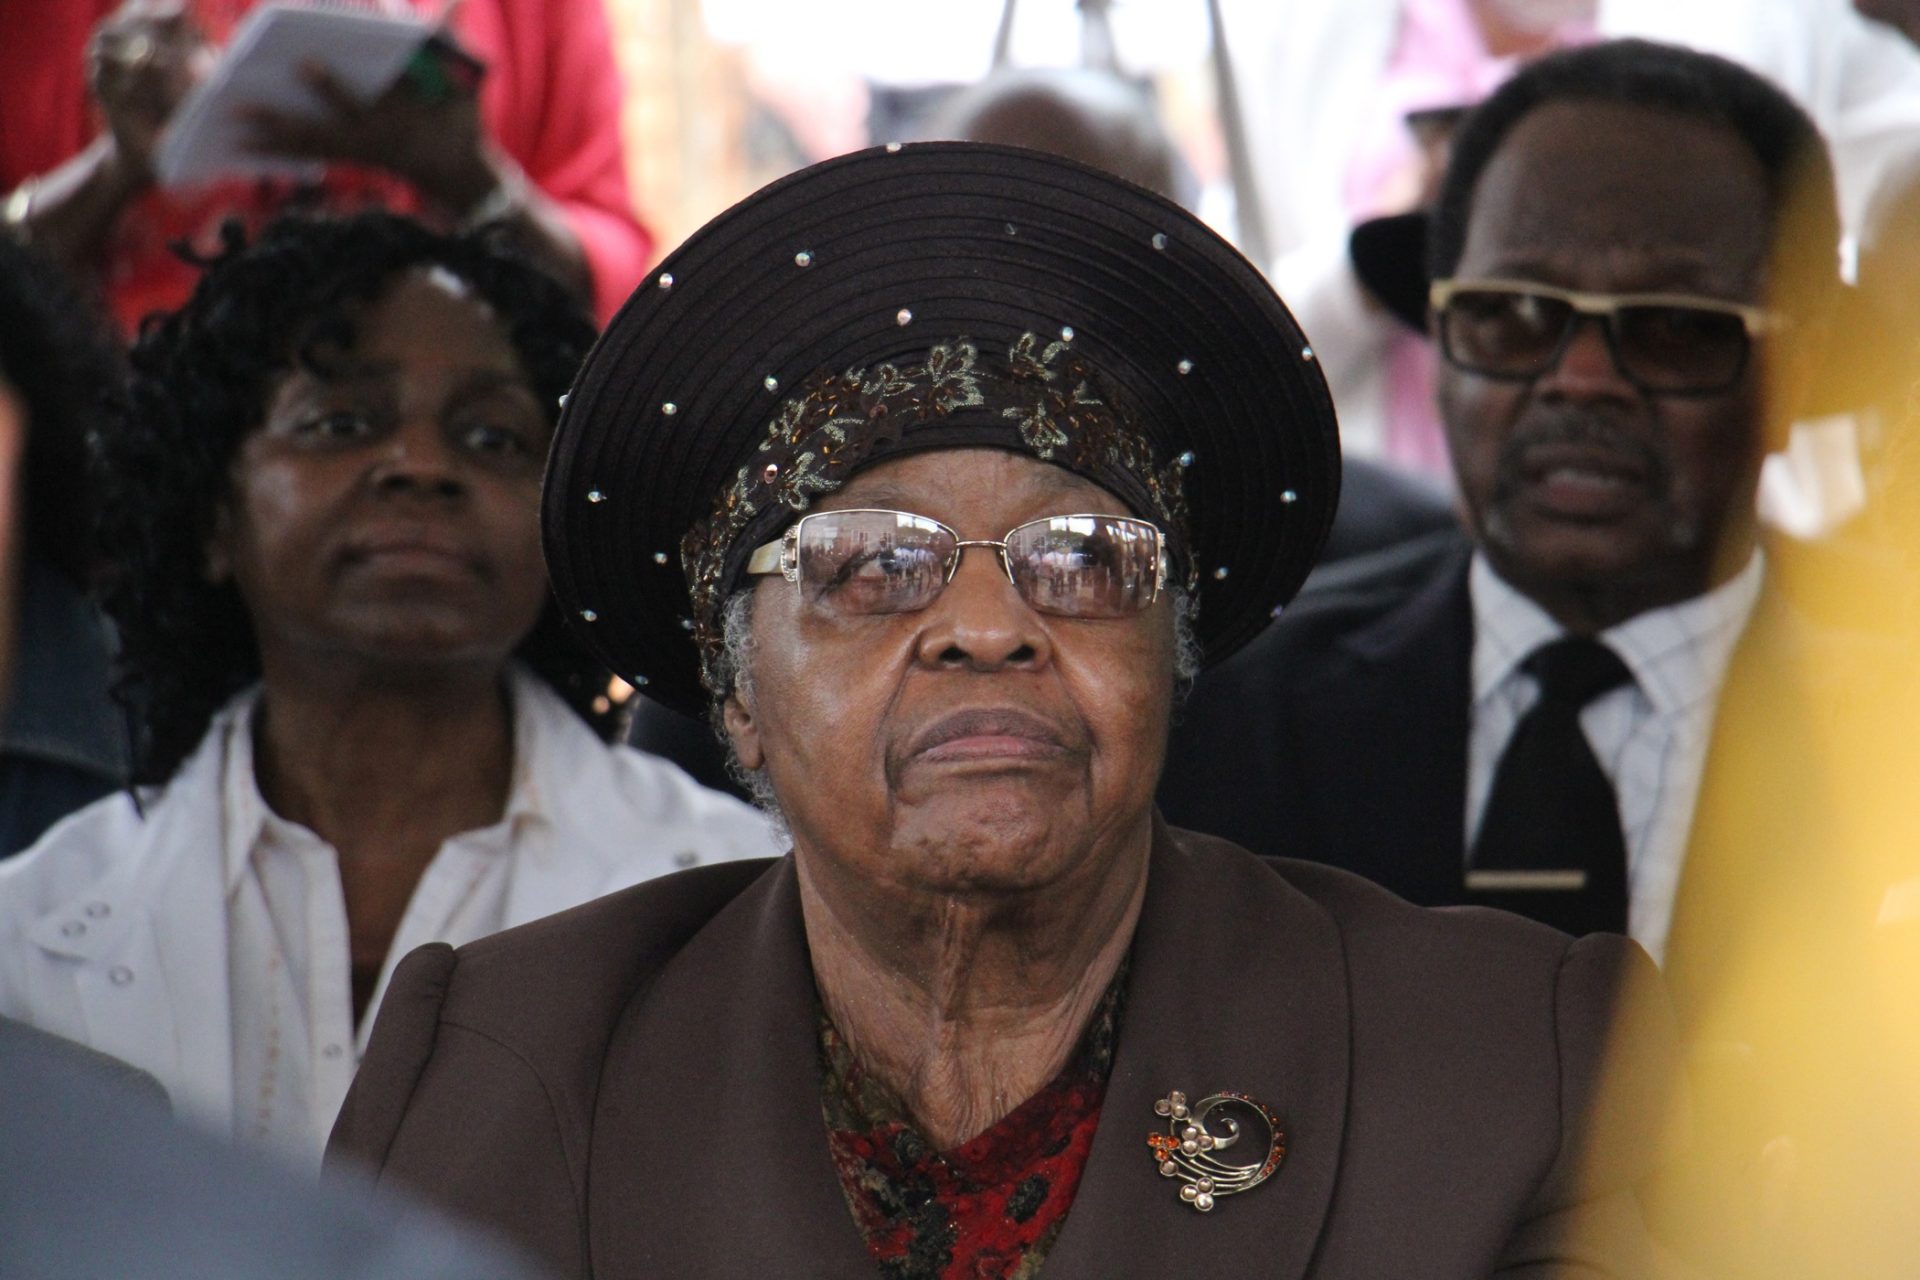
1045, 402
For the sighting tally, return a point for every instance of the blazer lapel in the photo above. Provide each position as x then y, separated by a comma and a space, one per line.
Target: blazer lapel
1384, 740
1238, 983
709, 1151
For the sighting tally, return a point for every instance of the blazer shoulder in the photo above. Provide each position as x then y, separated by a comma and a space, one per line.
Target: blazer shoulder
1466, 939
523, 984
521, 1019
79, 851
1375, 583
1348, 598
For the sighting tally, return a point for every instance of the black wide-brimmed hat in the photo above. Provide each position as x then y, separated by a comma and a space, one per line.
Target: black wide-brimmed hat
895, 259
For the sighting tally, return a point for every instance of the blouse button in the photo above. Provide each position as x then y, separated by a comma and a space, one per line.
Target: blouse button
120, 975
73, 929
685, 858
99, 910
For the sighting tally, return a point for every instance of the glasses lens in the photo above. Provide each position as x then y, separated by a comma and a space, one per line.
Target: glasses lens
857, 562
1505, 333
1085, 566
1670, 348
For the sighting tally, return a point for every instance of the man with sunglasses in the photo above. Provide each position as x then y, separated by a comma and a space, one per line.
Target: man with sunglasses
1633, 249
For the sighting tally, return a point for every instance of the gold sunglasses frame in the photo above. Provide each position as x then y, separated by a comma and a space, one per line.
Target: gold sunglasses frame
1757, 321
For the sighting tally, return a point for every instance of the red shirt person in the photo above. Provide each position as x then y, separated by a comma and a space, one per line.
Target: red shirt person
94, 82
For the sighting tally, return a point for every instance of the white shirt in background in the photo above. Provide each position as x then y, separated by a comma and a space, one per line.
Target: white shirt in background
208, 942
1650, 735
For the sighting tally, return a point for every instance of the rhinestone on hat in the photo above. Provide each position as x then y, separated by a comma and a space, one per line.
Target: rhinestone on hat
1306, 353
664, 280
903, 317
770, 473
803, 259
771, 383
893, 148
1220, 574
563, 400
669, 408
1012, 230
1160, 241
588, 615
1289, 496
1185, 460
1184, 368
1066, 333
594, 495
659, 557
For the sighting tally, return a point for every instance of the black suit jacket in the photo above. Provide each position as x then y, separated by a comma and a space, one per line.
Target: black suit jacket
1340, 735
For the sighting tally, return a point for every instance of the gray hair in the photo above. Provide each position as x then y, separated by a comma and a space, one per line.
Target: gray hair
733, 673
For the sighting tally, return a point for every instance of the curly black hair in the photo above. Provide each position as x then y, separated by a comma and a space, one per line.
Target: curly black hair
201, 379
58, 354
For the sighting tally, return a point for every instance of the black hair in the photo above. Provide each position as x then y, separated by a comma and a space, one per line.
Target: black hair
1699, 86
59, 356
201, 379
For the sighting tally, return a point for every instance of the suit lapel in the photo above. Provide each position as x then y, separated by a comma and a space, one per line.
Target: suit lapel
1384, 742
709, 1153
1238, 982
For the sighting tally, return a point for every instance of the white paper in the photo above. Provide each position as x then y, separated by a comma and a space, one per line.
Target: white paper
364, 50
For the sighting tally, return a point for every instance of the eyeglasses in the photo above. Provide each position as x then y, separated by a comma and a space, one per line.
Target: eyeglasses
869, 560
1663, 343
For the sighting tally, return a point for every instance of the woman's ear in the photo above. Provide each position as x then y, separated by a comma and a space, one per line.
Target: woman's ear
736, 714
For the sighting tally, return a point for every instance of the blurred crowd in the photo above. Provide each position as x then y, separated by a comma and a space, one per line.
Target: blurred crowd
1615, 627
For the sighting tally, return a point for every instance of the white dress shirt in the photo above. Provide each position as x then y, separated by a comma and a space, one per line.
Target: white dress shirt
1650, 735
204, 938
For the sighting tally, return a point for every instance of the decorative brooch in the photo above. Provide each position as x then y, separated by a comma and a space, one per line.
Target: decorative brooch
1189, 1149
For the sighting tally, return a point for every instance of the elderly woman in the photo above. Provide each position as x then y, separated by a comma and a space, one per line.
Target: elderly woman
937, 471
361, 725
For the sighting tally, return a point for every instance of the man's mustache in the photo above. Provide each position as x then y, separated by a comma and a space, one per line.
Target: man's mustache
1583, 429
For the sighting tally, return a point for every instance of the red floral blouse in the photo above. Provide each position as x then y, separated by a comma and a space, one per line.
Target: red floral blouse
990, 1208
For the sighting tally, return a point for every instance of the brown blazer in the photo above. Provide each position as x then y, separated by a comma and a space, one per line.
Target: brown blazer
631, 1088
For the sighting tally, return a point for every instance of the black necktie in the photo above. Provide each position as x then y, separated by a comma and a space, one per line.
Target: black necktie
1550, 844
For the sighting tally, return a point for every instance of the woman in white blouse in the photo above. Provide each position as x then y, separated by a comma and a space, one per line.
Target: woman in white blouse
360, 723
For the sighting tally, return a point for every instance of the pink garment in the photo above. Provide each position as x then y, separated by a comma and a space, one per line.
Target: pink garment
551, 100
1439, 60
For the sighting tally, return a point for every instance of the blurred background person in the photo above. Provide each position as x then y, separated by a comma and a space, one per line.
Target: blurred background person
536, 146
1324, 89
62, 742
100, 1183
362, 725
1638, 251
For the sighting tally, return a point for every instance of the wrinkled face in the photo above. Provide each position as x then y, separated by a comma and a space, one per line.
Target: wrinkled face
386, 510
975, 745
1577, 479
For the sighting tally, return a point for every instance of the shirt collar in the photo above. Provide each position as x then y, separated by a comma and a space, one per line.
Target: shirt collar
249, 820
1678, 654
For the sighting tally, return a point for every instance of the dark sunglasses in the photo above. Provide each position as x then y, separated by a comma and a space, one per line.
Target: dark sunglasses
1663, 343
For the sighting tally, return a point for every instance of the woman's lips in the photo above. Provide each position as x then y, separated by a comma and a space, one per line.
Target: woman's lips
1002, 733
411, 552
